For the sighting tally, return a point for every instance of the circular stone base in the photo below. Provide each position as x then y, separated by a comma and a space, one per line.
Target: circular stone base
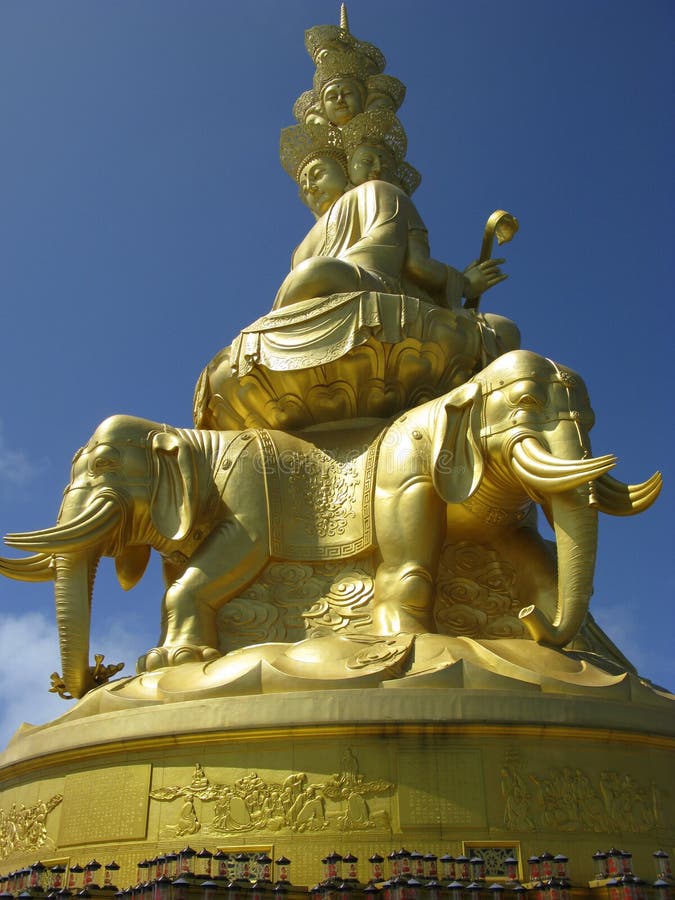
365, 770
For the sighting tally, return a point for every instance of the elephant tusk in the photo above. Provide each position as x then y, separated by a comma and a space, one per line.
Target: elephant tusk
84, 530
39, 567
553, 480
618, 499
536, 452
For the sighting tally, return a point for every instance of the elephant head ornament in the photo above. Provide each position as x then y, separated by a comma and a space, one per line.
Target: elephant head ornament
471, 465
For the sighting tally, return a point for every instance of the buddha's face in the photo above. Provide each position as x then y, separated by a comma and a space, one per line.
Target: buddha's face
322, 181
342, 99
370, 163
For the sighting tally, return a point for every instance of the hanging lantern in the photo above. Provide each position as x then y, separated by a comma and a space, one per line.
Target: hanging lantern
496, 890
283, 865
264, 863
546, 862
222, 861
376, 867
417, 865
242, 867
448, 868
626, 862
36, 877
511, 868
393, 864
462, 868
431, 866
110, 869
209, 889
404, 862
474, 889
662, 862
613, 863
203, 863
171, 865
477, 864
349, 868
90, 876
560, 866
371, 891
600, 862
334, 866
56, 878
534, 867
185, 857
433, 889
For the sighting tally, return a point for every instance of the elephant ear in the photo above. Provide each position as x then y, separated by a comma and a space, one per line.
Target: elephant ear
173, 505
131, 564
457, 460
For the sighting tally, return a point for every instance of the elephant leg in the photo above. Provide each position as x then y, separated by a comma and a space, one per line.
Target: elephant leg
410, 527
225, 563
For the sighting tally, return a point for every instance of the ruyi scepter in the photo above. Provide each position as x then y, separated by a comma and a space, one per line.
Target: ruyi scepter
502, 225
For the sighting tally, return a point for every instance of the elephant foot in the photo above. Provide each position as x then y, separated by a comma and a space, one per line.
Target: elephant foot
160, 657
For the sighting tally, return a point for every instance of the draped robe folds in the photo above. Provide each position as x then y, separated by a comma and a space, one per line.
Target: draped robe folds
311, 345
370, 227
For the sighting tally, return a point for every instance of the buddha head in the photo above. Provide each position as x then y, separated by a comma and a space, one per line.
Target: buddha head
308, 110
343, 98
321, 181
340, 84
375, 144
372, 162
313, 156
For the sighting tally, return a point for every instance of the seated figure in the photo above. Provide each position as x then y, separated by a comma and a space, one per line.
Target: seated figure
366, 323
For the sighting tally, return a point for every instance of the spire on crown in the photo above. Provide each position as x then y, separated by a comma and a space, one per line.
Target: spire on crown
349, 86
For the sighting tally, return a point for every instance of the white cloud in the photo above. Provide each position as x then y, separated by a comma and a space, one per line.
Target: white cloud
15, 467
29, 653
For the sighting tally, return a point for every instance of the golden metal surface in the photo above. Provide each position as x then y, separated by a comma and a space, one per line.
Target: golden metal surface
372, 439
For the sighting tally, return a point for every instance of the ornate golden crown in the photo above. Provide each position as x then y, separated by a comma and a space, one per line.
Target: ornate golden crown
380, 127
301, 143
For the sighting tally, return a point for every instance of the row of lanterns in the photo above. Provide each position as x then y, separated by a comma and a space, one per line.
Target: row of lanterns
161, 870
411, 876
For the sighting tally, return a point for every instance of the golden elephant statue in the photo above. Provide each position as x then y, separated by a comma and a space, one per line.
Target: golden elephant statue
218, 505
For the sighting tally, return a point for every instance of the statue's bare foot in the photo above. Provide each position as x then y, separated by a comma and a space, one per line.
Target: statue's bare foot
159, 657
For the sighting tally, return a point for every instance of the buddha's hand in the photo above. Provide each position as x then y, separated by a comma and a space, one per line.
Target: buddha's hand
481, 276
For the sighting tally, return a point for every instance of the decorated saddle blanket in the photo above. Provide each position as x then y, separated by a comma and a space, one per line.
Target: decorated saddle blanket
320, 490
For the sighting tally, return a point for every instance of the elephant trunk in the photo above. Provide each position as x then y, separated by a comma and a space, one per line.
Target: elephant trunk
575, 523
73, 585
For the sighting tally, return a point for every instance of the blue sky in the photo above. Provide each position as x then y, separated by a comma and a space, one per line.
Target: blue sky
145, 218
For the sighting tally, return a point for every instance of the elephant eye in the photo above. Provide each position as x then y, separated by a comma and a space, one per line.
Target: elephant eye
104, 459
527, 395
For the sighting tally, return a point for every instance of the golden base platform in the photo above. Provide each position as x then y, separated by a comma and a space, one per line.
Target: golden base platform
488, 764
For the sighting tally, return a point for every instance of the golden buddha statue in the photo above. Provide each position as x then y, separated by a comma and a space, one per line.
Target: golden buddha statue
367, 322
